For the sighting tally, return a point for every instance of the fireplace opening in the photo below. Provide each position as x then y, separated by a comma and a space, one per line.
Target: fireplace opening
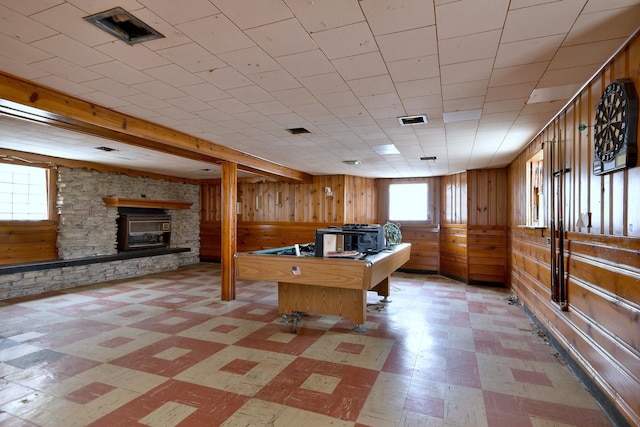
140, 228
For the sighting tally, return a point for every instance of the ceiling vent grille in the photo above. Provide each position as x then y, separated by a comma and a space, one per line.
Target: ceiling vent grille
297, 131
107, 149
413, 120
123, 25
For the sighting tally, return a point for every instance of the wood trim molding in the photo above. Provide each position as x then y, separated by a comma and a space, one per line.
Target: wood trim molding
119, 202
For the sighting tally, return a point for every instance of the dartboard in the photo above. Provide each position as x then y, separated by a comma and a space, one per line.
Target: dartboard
615, 128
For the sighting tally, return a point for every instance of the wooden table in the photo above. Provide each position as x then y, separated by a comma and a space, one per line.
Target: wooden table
334, 286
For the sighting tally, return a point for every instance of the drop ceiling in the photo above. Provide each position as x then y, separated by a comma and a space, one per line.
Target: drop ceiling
487, 74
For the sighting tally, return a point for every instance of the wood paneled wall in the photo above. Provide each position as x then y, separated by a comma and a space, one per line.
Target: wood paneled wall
263, 223
473, 238
27, 241
600, 328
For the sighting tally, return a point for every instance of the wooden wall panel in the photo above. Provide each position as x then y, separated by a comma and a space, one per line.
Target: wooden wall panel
453, 251
425, 247
28, 241
487, 253
453, 190
600, 327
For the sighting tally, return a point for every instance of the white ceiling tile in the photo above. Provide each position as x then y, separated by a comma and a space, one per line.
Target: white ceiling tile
216, 33
327, 14
346, 41
105, 100
312, 110
137, 56
567, 76
23, 52
120, 72
380, 101
465, 90
21, 27
589, 28
250, 94
542, 20
523, 52
67, 70
192, 57
585, 54
419, 104
466, 71
361, 66
68, 19
338, 99
324, 83
372, 85
296, 96
469, 48
190, 104
282, 38
408, 44
225, 78
111, 87
11, 66
30, 7
177, 12
508, 105
518, 74
501, 93
213, 115
205, 92
275, 80
305, 64
175, 113
391, 16
159, 89
250, 60
71, 50
64, 85
230, 105
463, 104
249, 14
146, 101
174, 75
469, 17
270, 108
419, 87
414, 69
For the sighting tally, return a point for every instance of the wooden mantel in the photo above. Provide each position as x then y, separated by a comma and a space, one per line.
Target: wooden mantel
119, 202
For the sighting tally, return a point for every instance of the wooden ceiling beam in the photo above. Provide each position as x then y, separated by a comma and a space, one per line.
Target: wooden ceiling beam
27, 100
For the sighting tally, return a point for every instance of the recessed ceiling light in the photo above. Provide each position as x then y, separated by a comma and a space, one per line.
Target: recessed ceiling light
123, 25
351, 162
461, 116
297, 131
386, 149
413, 120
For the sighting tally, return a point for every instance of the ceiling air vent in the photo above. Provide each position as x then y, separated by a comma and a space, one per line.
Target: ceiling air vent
120, 23
413, 120
107, 149
297, 131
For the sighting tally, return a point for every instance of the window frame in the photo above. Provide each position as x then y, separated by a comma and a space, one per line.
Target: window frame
51, 177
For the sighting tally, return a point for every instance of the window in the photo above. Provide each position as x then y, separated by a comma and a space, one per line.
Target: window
24, 193
534, 184
409, 202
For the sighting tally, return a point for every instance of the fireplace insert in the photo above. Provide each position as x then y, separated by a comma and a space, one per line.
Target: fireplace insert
143, 231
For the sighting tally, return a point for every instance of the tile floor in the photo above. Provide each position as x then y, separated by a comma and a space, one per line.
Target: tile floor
163, 350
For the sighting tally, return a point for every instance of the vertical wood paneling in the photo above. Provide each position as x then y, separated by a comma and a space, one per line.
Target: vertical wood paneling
600, 328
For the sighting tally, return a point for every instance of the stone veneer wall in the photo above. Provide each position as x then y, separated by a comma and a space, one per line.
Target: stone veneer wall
89, 228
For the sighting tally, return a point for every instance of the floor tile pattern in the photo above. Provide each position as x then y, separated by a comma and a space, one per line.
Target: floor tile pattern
164, 350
